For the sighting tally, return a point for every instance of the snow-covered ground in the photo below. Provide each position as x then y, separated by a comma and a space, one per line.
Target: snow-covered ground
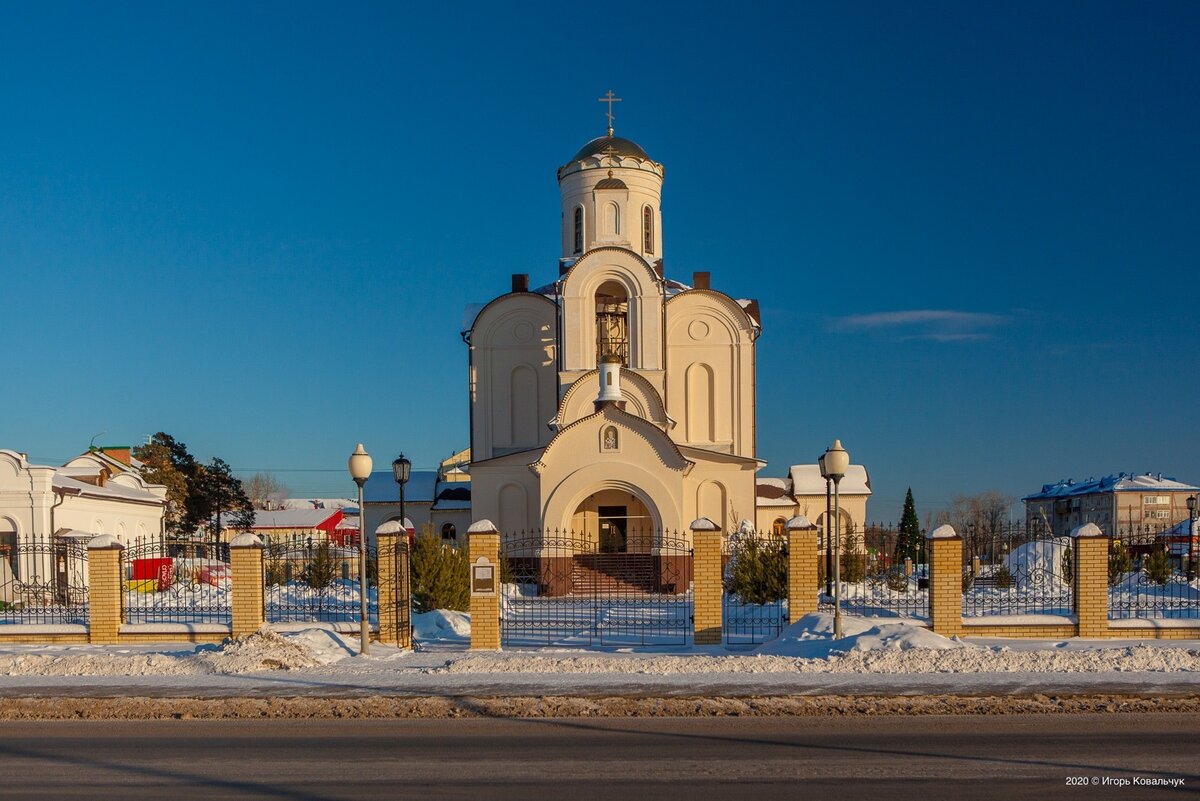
873, 656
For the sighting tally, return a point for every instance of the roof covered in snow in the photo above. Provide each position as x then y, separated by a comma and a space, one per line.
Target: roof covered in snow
296, 518
381, 487
806, 480
1121, 482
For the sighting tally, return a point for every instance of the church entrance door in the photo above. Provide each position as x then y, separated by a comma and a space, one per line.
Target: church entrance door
614, 522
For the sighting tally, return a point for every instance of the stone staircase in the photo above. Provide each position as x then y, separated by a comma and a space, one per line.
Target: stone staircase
613, 573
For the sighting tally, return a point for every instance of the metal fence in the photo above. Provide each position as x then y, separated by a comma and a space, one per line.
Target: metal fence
170, 581
878, 579
564, 587
1153, 574
1009, 569
44, 581
318, 582
754, 601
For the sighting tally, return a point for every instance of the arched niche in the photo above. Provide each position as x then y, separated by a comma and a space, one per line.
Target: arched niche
622, 273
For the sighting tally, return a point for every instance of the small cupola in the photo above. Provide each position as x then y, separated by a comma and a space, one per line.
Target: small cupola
610, 382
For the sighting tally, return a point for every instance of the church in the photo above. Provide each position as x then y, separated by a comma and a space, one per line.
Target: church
614, 402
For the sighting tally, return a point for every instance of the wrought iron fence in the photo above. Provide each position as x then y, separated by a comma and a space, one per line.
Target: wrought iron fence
1009, 569
879, 577
318, 582
755, 584
566, 587
169, 581
1154, 574
44, 581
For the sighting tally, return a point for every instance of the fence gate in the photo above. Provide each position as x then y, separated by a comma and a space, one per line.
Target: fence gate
755, 588
575, 588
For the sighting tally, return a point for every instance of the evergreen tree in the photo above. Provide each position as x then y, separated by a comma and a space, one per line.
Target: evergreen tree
195, 492
908, 539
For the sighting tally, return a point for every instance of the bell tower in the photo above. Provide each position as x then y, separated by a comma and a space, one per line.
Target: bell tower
611, 196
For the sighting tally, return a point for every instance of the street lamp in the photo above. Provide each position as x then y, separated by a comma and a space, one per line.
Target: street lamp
834, 463
360, 470
401, 468
1193, 514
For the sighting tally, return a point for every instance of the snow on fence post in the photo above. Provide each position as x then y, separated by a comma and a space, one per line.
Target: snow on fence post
104, 589
706, 582
394, 585
248, 596
483, 543
1090, 568
945, 581
802, 567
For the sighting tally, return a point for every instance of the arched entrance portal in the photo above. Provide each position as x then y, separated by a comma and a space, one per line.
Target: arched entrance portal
615, 521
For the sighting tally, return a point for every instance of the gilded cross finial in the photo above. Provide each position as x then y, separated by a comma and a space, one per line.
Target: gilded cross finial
610, 98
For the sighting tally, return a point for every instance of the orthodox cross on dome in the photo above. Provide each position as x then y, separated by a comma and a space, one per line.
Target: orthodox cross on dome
610, 98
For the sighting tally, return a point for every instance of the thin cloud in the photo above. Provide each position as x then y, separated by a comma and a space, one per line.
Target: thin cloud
938, 325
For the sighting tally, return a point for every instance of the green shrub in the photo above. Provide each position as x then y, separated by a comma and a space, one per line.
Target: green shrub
853, 567
1003, 577
758, 573
1119, 562
897, 579
1067, 567
967, 580
323, 569
441, 576
1158, 566
274, 566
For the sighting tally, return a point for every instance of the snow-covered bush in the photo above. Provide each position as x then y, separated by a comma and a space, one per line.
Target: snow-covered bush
1158, 566
757, 570
1119, 562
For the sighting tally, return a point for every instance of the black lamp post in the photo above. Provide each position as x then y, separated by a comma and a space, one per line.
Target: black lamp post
833, 464
1193, 565
401, 469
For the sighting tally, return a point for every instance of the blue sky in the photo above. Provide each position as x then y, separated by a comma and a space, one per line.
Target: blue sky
972, 227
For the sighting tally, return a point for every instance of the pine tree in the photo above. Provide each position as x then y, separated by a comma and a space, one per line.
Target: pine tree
908, 539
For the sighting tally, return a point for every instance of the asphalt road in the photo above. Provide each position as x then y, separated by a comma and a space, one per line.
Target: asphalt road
1019, 756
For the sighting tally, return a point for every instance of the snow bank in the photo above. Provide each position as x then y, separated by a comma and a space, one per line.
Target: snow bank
1039, 564
263, 650
441, 624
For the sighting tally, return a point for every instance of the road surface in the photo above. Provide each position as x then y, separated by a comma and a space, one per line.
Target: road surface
886, 757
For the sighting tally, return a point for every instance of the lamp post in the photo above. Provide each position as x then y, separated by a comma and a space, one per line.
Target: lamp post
1193, 514
360, 470
834, 463
828, 541
401, 468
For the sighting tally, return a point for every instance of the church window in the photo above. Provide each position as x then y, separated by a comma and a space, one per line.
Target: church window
449, 531
647, 230
612, 322
778, 528
578, 229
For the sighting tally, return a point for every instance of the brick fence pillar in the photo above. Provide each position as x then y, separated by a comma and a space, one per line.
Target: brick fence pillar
945, 581
249, 590
802, 568
706, 582
1090, 580
483, 540
105, 585
395, 585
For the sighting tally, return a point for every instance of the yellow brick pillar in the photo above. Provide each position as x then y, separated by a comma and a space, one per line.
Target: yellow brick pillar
483, 542
1090, 580
802, 568
248, 584
105, 585
707, 586
395, 585
945, 581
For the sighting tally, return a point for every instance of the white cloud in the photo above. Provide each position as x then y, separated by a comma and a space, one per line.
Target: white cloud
939, 325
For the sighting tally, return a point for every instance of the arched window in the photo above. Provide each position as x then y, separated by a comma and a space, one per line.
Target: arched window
647, 230
612, 322
578, 230
612, 218
449, 531
778, 528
